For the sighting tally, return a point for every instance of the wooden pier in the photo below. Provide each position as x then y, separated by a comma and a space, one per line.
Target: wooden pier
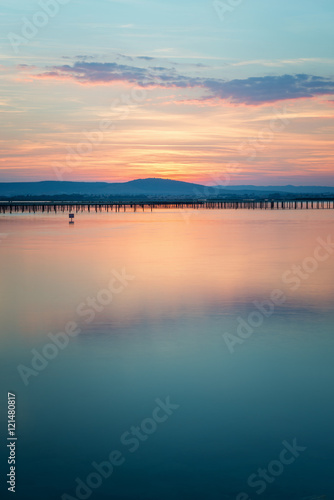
75, 207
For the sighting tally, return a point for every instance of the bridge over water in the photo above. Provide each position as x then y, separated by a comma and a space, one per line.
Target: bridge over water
47, 207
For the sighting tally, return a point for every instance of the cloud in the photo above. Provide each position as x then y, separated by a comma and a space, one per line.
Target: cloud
146, 58
283, 62
259, 90
250, 91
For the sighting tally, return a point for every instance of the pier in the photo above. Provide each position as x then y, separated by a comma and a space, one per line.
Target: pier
75, 207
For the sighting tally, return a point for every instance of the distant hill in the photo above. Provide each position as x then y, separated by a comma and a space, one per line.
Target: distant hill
152, 187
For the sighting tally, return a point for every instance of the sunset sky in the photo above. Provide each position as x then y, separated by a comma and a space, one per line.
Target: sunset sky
235, 92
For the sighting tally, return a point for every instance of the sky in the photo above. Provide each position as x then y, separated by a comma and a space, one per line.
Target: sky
214, 92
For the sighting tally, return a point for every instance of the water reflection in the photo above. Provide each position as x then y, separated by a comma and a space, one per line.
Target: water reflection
163, 335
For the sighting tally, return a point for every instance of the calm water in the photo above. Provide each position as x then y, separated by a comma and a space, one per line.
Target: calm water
196, 276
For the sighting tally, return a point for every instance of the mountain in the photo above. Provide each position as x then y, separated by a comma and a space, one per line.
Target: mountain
152, 187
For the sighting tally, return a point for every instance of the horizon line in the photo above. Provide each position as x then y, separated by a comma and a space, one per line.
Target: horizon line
166, 179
